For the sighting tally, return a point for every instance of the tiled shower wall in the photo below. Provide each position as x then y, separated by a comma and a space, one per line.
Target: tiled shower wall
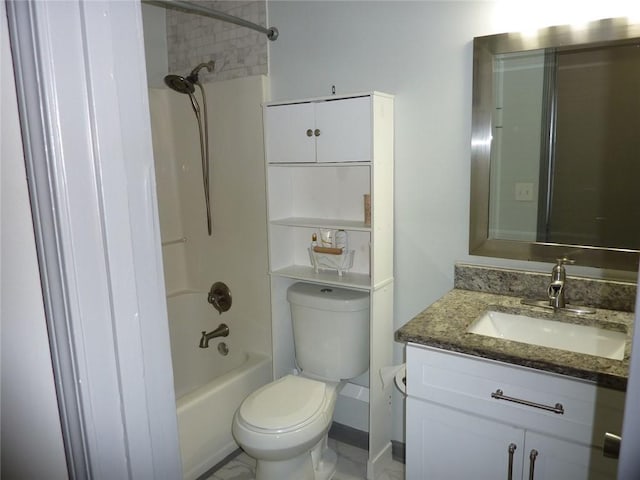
237, 51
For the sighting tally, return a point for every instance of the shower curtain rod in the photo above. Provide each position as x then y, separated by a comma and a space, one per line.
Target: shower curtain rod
271, 32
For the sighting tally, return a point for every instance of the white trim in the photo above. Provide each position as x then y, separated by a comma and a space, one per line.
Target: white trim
629, 464
85, 120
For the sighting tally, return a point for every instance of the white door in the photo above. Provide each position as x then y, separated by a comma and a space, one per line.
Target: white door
343, 130
446, 444
289, 133
562, 459
629, 466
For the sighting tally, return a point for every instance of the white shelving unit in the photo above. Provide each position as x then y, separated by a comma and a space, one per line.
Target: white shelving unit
323, 156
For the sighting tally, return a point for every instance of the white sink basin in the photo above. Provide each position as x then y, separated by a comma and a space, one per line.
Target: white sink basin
549, 333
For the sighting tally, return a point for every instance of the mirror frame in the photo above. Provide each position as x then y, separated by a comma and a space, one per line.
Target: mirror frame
564, 37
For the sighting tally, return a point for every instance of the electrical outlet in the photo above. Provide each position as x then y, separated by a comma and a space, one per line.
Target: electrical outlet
524, 192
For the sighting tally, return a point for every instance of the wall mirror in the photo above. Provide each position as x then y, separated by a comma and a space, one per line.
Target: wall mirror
555, 164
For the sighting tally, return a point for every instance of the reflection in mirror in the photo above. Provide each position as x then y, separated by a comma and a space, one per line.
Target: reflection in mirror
555, 148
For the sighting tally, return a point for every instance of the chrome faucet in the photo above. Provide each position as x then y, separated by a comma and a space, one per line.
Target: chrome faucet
557, 292
221, 331
557, 289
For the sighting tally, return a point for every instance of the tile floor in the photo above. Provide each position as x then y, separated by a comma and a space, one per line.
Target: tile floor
352, 465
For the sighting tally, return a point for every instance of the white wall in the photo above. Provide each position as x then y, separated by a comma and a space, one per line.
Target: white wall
31, 438
422, 53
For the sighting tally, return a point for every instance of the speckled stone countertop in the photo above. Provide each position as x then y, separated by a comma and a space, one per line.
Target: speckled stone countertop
444, 325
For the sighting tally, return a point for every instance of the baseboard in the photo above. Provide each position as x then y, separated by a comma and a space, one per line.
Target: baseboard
398, 451
359, 438
206, 475
349, 435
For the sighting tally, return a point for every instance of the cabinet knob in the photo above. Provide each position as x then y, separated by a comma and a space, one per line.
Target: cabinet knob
309, 132
316, 132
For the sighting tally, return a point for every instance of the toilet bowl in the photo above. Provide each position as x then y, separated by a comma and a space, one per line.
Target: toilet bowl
284, 424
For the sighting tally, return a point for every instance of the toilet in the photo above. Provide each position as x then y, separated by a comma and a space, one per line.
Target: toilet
284, 424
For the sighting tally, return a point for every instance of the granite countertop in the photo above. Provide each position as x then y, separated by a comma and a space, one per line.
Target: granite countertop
444, 325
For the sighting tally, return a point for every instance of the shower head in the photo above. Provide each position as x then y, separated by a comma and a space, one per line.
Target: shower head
179, 84
186, 84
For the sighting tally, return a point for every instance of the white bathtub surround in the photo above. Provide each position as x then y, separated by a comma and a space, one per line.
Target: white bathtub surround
352, 465
210, 386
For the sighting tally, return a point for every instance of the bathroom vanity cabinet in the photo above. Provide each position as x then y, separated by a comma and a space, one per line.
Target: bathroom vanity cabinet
476, 418
322, 156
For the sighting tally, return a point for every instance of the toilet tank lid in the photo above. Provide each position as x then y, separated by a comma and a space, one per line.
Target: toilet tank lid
323, 297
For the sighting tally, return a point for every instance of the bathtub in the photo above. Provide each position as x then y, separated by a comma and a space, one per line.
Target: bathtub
209, 386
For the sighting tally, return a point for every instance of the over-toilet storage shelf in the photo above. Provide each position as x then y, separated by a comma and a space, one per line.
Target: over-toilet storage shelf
323, 155
331, 223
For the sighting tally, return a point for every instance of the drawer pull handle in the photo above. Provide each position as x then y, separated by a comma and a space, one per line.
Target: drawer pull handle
499, 395
532, 462
512, 448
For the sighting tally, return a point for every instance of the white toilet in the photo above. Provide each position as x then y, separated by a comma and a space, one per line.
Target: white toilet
284, 424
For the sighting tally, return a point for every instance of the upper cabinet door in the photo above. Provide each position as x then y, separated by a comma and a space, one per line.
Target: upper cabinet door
343, 129
289, 134
332, 131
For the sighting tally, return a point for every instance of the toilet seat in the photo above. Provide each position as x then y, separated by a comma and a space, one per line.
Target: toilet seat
284, 405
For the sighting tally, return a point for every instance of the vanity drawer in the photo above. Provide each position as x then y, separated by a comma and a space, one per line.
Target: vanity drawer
528, 397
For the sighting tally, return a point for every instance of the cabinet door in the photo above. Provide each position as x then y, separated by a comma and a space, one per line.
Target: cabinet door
446, 444
344, 128
559, 459
286, 138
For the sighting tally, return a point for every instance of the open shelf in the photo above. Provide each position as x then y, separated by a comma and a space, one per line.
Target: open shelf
320, 165
332, 223
358, 281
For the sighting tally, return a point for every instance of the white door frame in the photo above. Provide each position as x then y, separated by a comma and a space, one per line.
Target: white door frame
82, 95
629, 463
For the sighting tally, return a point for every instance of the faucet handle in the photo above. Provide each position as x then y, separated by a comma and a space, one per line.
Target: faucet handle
558, 272
565, 261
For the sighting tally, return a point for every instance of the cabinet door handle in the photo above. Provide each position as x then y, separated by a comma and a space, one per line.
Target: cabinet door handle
532, 462
309, 132
511, 449
611, 445
499, 395
316, 132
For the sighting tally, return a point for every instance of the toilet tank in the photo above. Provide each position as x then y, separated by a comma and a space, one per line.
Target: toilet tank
330, 330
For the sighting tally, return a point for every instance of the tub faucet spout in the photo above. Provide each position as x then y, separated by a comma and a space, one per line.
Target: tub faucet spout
221, 331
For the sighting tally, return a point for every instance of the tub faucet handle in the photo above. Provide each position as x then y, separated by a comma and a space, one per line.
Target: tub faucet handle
220, 297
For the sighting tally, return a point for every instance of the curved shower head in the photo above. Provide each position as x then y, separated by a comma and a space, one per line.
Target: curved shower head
186, 84
179, 84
